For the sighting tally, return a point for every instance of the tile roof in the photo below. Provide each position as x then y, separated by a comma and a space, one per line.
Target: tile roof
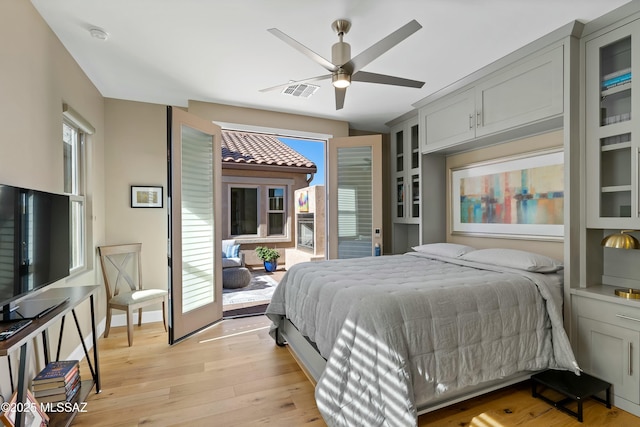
260, 149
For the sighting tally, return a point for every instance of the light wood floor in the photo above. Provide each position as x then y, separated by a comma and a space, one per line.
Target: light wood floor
233, 374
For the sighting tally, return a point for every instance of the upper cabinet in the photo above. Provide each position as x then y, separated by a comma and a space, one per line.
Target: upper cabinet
528, 91
405, 151
612, 134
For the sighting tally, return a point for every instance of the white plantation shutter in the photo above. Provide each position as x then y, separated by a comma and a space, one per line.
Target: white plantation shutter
197, 219
355, 216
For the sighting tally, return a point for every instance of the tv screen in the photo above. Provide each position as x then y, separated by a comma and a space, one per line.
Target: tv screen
34, 241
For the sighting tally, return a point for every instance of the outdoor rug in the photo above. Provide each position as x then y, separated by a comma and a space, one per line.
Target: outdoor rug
260, 289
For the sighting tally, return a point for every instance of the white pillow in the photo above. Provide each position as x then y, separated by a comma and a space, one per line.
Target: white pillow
514, 258
449, 250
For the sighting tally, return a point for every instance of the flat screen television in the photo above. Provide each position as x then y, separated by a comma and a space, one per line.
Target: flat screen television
34, 246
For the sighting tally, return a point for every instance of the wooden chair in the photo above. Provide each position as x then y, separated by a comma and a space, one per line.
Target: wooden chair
120, 265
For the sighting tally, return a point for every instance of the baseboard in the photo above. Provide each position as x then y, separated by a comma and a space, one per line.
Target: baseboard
147, 317
78, 352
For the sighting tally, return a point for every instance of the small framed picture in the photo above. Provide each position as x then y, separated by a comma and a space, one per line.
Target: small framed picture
146, 197
32, 414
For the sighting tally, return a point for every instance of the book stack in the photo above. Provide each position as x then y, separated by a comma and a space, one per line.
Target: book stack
616, 79
57, 382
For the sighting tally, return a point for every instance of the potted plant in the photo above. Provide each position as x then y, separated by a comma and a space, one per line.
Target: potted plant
269, 257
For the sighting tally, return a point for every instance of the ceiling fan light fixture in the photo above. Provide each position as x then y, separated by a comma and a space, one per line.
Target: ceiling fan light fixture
341, 79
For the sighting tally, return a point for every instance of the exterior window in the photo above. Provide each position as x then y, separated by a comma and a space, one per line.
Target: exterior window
73, 141
244, 211
275, 212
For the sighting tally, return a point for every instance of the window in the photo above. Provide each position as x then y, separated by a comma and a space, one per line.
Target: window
256, 209
244, 211
275, 212
73, 141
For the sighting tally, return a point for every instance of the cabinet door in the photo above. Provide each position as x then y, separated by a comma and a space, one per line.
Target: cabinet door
449, 121
611, 353
414, 171
611, 129
398, 156
526, 93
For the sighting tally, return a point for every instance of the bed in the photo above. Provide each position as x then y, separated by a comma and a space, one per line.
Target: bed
388, 338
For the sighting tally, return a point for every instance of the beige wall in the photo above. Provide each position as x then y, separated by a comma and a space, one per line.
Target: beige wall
136, 154
268, 119
37, 76
536, 143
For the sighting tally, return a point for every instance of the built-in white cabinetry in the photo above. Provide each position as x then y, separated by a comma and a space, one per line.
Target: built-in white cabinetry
612, 134
607, 344
527, 91
405, 152
605, 328
406, 185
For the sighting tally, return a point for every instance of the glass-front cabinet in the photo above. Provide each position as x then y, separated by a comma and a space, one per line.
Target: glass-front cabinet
612, 135
406, 172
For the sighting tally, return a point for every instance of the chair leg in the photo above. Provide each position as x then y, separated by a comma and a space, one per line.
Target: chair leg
107, 326
130, 326
140, 317
164, 314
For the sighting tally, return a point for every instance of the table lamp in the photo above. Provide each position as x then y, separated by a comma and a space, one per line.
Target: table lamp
623, 240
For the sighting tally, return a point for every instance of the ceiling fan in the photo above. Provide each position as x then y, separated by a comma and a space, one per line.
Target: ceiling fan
345, 69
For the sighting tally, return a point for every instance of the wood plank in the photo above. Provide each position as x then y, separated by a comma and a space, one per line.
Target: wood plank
234, 374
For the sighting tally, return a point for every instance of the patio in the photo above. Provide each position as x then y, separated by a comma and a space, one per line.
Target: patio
258, 292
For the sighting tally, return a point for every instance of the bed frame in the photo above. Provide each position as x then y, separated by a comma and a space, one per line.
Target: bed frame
313, 364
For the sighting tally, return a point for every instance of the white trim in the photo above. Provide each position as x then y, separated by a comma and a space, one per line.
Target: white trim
274, 131
284, 211
258, 189
147, 317
77, 119
78, 352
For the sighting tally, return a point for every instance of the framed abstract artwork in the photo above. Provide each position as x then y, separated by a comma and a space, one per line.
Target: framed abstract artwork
515, 197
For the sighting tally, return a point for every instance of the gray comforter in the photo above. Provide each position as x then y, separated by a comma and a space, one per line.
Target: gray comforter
398, 331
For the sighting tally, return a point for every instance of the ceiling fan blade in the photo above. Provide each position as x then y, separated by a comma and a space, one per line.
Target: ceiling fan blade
284, 85
368, 55
340, 93
303, 49
363, 76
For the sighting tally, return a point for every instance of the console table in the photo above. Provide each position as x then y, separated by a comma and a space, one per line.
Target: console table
76, 295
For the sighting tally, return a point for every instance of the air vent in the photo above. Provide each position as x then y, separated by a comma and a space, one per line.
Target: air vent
300, 90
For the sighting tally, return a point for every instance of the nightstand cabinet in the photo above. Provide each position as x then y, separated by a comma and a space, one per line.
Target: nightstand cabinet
607, 345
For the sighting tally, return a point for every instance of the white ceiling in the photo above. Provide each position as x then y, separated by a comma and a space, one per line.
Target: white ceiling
171, 51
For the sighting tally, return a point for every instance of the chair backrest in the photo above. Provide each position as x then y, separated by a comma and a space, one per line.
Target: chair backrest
121, 264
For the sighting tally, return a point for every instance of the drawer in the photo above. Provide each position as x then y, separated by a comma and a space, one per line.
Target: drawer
603, 311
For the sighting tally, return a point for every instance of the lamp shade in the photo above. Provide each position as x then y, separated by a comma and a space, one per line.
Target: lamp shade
621, 241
